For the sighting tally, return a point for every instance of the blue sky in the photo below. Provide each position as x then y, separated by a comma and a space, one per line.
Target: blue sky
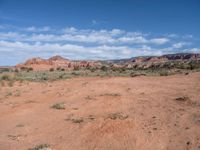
97, 29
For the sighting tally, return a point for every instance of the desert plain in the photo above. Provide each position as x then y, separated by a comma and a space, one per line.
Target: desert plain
102, 113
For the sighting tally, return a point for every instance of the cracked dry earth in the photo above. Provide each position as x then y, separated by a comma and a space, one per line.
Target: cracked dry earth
109, 113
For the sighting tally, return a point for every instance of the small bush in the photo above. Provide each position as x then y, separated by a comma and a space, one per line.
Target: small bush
18, 93
104, 68
111, 94
58, 106
76, 67
30, 69
9, 94
182, 99
51, 69
164, 73
134, 74
77, 120
41, 147
60, 76
5, 77
120, 116
58, 68
75, 73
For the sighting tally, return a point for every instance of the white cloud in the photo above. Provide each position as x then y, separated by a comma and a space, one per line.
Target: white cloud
179, 44
71, 34
192, 50
35, 29
159, 41
89, 43
69, 30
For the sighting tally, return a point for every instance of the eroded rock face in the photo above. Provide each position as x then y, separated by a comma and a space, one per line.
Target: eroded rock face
138, 62
181, 56
55, 62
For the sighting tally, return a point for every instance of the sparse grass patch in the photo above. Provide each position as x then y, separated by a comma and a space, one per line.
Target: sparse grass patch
132, 74
30, 101
51, 69
77, 120
58, 106
8, 93
17, 93
89, 98
74, 119
111, 94
41, 147
11, 83
120, 116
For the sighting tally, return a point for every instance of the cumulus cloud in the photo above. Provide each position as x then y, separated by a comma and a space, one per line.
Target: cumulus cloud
88, 43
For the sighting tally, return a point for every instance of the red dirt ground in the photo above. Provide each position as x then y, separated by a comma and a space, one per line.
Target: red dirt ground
110, 113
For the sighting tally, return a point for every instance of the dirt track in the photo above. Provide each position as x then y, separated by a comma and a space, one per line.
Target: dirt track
117, 113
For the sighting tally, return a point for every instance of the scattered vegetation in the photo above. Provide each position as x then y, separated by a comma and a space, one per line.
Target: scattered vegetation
74, 119
58, 106
107, 69
27, 69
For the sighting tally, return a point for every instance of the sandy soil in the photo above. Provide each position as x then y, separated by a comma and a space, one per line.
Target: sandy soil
110, 113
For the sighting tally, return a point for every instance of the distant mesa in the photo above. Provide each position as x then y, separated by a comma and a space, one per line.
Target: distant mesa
163, 58
60, 62
55, 62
